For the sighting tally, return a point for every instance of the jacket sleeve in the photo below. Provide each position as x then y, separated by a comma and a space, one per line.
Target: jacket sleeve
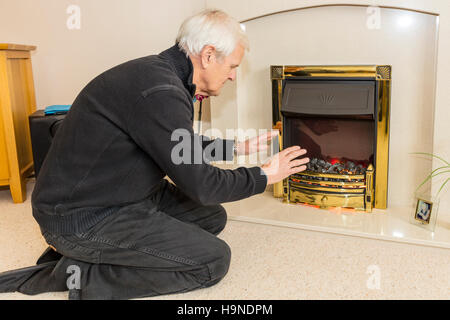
161, 124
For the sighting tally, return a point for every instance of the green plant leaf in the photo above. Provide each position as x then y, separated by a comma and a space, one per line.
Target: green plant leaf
432, 155
442, 186
436, 174
431, 175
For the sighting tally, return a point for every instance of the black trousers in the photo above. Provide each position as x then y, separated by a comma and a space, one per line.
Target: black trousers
163, 245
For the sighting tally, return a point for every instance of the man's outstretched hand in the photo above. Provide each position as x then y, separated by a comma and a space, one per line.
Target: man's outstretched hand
284, 164
256, 144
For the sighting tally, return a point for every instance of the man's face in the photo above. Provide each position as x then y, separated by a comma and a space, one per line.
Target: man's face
221, 70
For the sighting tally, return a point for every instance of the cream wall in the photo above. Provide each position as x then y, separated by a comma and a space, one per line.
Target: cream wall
111, 32
243, 10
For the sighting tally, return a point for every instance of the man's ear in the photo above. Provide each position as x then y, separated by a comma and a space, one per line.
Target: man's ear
207, 55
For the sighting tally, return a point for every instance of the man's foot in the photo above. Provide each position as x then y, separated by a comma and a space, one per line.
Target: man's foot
10, 281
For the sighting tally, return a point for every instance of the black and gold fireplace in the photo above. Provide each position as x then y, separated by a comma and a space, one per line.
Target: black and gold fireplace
340, 115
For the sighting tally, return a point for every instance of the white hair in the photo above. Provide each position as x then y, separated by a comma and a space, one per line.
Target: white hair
211, 27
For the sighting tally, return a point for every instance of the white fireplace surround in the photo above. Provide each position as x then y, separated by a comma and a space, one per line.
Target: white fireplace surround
333, 33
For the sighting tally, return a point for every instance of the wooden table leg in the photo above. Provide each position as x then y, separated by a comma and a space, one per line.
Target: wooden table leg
18, 188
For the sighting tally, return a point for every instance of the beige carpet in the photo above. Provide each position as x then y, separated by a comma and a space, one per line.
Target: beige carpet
273, 263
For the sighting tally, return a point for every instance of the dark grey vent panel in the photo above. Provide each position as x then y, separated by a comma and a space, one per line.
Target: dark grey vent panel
329, 97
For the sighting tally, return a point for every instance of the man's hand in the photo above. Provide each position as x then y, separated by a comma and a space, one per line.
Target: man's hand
284, 164
256, 144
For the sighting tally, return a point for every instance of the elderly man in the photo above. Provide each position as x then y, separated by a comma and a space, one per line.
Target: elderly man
118, 229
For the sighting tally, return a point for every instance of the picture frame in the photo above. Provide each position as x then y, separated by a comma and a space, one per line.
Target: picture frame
425, 211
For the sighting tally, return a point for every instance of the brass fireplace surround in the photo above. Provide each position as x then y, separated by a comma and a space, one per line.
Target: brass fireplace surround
360, 192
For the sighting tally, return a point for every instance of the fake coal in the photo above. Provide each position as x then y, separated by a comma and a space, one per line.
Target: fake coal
335, 166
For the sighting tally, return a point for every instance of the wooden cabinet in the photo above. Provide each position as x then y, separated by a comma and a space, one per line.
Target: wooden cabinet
17, 102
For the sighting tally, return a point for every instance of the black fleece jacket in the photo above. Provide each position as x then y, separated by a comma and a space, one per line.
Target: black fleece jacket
115, 145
